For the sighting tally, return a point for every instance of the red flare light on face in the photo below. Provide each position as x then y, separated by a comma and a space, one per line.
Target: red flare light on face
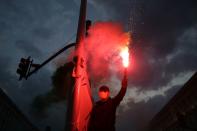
125, 56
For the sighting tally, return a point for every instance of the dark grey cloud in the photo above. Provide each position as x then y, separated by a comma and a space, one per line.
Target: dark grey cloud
42, 32
28, 48
3, 26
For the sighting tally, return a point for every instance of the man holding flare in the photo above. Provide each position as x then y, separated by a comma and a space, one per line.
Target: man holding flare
103, 115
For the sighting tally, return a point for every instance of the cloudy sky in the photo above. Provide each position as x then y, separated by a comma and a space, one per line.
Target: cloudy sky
164, 55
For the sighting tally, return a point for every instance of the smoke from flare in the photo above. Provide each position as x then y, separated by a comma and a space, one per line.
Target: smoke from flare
103, 46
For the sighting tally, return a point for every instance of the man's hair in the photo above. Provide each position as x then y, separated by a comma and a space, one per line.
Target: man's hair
104, 88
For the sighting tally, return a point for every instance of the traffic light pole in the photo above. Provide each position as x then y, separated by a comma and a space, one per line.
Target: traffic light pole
49, 59
25, 73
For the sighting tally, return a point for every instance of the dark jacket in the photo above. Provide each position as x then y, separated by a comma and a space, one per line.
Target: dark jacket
103, 114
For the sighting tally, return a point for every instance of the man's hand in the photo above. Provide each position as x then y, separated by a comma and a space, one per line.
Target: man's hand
124, 81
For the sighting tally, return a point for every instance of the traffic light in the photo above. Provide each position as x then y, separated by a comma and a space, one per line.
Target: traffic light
88, 24
23, 67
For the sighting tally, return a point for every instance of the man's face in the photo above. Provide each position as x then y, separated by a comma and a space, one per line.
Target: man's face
103, 95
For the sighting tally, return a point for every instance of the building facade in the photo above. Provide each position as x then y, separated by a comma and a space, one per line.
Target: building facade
11, 118
180, 113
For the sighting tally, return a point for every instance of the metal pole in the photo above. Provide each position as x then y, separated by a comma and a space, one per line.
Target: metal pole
70, 125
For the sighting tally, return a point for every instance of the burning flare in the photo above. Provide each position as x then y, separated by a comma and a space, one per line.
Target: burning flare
124, 53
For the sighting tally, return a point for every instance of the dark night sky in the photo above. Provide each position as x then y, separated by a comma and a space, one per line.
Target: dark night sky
165, 58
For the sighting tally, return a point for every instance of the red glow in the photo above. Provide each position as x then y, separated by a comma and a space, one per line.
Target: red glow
103, 46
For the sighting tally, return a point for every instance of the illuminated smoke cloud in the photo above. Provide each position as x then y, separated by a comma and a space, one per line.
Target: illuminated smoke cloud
103, 46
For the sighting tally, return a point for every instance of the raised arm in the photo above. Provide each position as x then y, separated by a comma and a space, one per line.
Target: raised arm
118, 98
